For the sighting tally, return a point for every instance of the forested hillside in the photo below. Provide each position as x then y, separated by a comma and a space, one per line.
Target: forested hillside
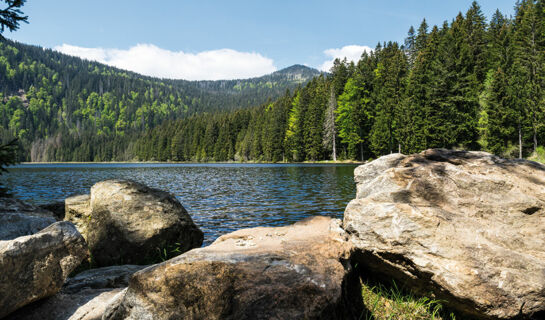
63, 108
467, 84
472, 83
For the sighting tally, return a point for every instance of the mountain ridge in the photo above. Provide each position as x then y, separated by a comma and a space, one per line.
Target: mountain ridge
299, 74
47, 96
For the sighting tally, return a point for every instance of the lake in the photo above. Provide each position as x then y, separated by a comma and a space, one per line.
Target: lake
220, 198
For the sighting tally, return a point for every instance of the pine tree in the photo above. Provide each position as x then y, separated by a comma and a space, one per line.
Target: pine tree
410, 47
498, 120
294, 131
421, 39
314, 118
499, 37
389, 94
339, 75
527, 66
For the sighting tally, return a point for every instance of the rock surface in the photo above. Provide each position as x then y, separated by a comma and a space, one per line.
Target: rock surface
83, 297
36, 266
127, 222
467, 225
292, 272
21, 219
78, 211
101, 278
56, 208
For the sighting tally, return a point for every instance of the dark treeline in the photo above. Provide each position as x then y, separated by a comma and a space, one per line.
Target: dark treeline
63, 108
468, 84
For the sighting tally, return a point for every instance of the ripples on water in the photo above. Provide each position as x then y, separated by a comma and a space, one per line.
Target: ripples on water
219, 197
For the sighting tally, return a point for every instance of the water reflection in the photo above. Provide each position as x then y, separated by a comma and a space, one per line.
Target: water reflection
220, 197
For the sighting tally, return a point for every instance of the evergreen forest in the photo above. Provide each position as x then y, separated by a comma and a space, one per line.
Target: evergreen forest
63, 108
473, 83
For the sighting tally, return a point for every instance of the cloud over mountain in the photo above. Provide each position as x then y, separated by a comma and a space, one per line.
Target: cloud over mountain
351, 53
148, 59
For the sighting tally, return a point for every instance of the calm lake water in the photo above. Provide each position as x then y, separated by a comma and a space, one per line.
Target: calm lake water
219, 197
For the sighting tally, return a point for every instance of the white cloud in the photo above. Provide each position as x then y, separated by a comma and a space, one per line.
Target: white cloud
151, 60
351, 53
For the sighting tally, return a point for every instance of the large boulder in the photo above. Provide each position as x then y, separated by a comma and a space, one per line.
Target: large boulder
468, 226
293, 272
36, 266
83, 297
18, 219
128, 222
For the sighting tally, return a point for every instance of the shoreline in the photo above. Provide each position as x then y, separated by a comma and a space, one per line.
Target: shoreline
193, 162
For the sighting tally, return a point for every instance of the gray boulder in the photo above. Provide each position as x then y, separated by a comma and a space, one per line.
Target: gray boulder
83, 297
293, 272
468, 226
18, 219
128, 222
36, 266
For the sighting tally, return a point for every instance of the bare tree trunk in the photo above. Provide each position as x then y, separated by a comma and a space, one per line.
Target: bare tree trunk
334, 147
535, 140
399, 148
520, 142
330, 135
535, 132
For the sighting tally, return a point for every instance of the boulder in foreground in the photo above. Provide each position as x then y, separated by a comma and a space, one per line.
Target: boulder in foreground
83, 297
36, 266
125, 222
468, 226
293, 272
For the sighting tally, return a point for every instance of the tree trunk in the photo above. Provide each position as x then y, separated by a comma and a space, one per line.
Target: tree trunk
520, 142
334, 148
535, 132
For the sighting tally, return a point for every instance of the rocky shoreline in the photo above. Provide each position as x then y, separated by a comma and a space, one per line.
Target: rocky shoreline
465, 227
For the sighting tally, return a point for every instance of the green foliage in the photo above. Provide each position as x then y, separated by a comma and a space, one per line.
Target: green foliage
384, 303
66, 109
465, 84
538, 155
293, 131
390, 85
497, 120
167, 252
354, 97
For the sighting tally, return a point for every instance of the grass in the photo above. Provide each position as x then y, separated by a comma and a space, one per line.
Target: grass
538, 155
167, 252
394, 303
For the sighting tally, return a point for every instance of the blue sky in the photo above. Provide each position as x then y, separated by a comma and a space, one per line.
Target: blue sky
227, 39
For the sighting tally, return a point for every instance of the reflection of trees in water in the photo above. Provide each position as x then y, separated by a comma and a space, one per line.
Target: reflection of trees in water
325, 189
